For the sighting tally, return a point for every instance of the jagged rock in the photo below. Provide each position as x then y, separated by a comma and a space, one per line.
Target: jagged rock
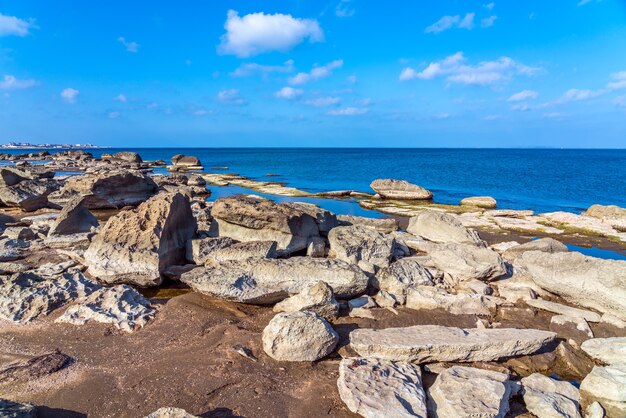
248, 219
429, 343
401, 276
442, 227
26, 296
326, 220
468, 392
136, 246
33, 368
379, 388
75, 218
170, 412
546, 245
400, 190
586, 281
606, 350
10, 409
430, 297
28, 195
365, 247
564, 310
318, 298
299, 336
549, 398
198, 250
613, 215
120, 305
265, 281
243, 251
466, 262
486, 202
607, 386
111, 190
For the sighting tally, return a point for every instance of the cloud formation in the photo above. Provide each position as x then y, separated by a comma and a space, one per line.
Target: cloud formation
619, 81
130, 46
69, 95
121, 98
257, 33
251, 68
348, 111
12, 83
488, 22
288, 93
455, 70
13, 26
316, 73
231, 97
344, 9
449, 22
323, 101
523, 95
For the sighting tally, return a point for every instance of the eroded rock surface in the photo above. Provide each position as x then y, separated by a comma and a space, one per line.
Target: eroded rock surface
549, 398
75, 218
400, 190
361, 246
442, 227
318, 298
606, 350
607, 386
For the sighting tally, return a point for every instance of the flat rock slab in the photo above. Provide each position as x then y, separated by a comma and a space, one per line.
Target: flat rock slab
560, 309
435, 343
382, 389
606, 350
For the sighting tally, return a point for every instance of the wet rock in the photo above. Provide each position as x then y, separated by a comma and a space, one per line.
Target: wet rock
546, 245
33, 368
401, 276
606, 350
463, 262
120, 306
428, 343
170, 412
248, 219
607, 386
136, 246
266, 281
549, 398
325, 220
384, 225
26, 296
379, 388
243, 250
442, 227
430, 297
564, 310
198, 250
613, 215
486, 202
468, 392
299, 336
586, 281
75, 218
318, 298
367, 248
10, 409
400, 190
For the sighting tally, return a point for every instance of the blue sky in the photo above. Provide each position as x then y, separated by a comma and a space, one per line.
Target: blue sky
459, 73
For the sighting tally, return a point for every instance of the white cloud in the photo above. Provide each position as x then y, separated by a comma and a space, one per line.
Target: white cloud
619, 81
522, 107
11, 25
620, 101
316, 73
257, 33
121, 98
523, 95
455, 70
288, 93
251, 68
575, 95
488, 22
467, 22
489, 6
348, 111
583, 2
130, 46
323, 101
344, 9
70, 95
12, 83
231, 97
114, 115
449, 22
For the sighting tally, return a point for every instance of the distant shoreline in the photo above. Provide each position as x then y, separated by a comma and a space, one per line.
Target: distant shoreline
51, 146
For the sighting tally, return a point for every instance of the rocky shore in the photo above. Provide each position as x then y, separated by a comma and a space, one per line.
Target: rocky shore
125, 293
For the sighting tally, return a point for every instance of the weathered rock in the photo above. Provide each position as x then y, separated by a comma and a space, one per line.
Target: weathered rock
401, 276
606, 350
442, 227
564, 309
549, 398
316, 247
400, 190
170, 412
318, 298
571, 327
120, 306
28, 195
613, 321
365, 247
586, 281
468, 392
299, 336
127, 156
430, 297
266, 281
466, 262
33, 368
19, 233
248, 219
10, 409
186, 161
136, 246
607, 386
613, 215
326, 220
198, 250
546, 245
26, 296
243, 251
486, 202
378, 388
429, 343
594, 410
385, 225
75, 218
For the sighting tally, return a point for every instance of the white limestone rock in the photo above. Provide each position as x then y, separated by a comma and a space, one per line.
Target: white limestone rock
549, 398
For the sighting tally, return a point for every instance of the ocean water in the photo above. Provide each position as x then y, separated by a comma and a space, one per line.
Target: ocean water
539, 179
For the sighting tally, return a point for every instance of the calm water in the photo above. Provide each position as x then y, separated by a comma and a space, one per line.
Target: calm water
539, 179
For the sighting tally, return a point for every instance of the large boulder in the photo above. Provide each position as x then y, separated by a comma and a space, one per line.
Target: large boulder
586, 281
435, 343
75, 218
318, 298
365, 247
607, 386
137, 246
613, 215
325, 219
381, 388
400, 190
401, 276
125, 156
462, 262
441, 227
469, 392
113, 190
486, 202
180, 160
606, 350
549, 398
243, 251
249, 219
265, 281
198, 250
299, 336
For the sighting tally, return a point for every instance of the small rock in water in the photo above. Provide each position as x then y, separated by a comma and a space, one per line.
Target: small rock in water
486, 202
400, 190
